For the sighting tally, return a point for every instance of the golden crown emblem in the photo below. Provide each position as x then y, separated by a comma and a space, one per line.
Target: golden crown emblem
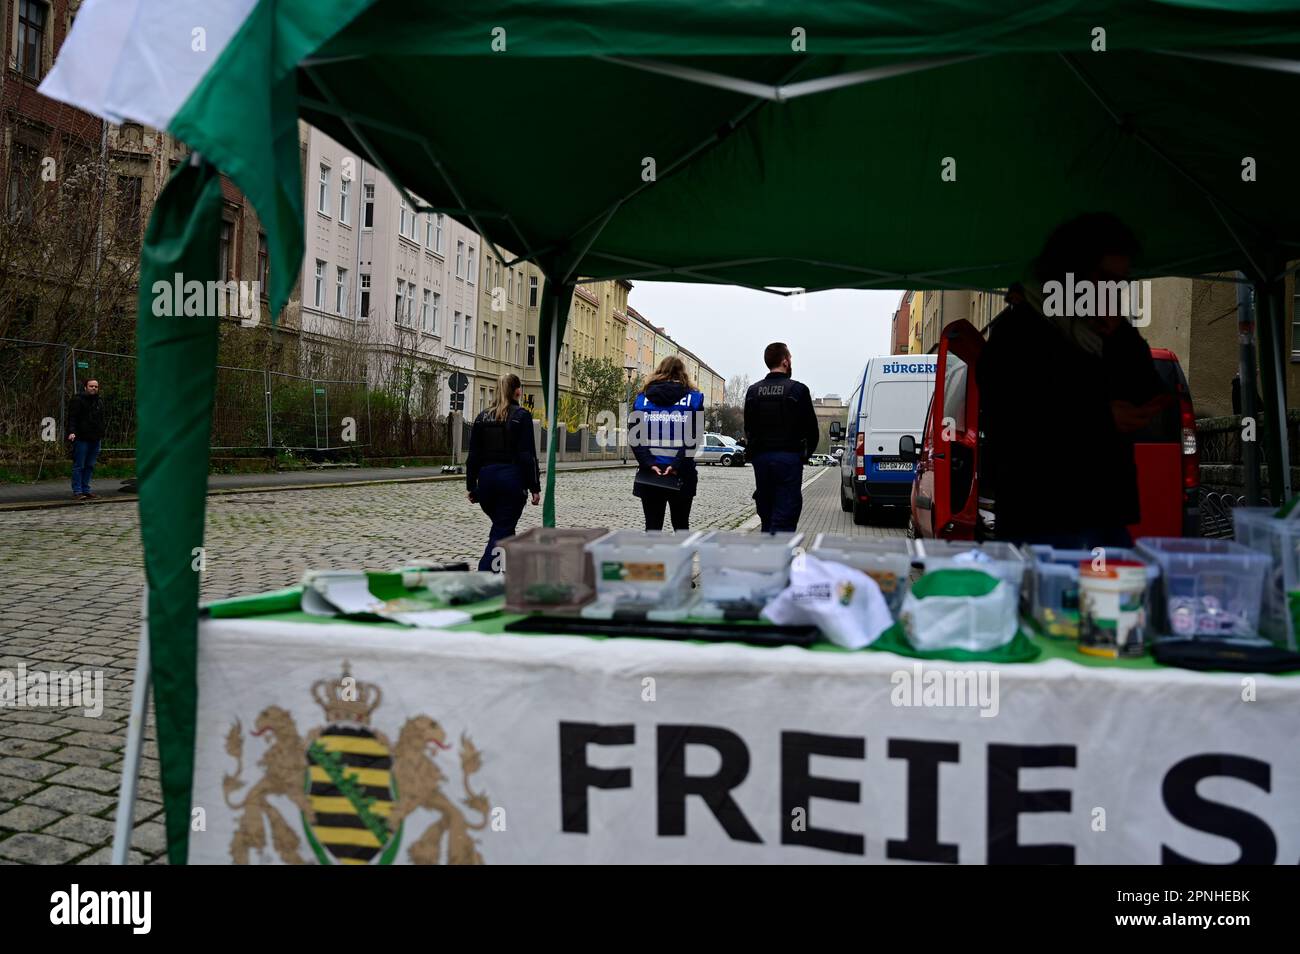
345, 699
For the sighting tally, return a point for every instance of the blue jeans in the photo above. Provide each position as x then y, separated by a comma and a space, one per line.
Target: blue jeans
83, 465
502, 495
778, 476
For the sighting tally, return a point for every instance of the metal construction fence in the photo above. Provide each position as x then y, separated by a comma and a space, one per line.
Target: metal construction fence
252, 409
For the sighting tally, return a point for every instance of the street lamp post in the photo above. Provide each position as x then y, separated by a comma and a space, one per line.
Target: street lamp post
629, 369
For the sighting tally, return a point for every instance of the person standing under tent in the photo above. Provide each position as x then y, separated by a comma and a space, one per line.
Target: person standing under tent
502, 466
665, 428
1071, 390
780, 433
86, 431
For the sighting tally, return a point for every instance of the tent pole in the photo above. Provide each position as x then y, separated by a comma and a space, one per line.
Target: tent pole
1272, 344
134, 740
557, 296
1247, 380
1277, 396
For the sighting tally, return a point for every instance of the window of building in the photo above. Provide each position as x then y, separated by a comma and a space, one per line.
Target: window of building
460, 259
410, 304
263, 264
455, 329
341, 291
425, 316
401, 223
320, 284
368, 214
437, 234
32, 17
24, 163
482, 399
518, 348
223, 251
510, 284
365, 296
323, 190
485, 351
397, 302
532, 291
428, 233
345, 199
532, 350
437, 304
470, 274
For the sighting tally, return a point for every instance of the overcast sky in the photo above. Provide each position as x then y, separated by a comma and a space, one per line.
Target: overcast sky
728, 327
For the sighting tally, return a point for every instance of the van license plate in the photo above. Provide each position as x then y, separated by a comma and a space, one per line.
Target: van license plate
894, 465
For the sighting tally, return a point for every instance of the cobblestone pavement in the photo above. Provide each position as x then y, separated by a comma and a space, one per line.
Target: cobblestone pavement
71, 600
71, 594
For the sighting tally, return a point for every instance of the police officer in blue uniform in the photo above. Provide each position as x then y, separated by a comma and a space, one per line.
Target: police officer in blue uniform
781, 432
664, 430
502, 466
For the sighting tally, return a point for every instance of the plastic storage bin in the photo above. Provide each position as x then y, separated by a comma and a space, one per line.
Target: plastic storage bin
643, 569
1209, 588
1001, 559
1053, 587
742, 571
887, 561
1279, 538
548, 569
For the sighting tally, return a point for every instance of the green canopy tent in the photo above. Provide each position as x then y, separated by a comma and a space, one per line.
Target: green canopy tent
766, 143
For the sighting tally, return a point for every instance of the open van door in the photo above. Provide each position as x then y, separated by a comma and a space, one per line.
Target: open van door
950, 456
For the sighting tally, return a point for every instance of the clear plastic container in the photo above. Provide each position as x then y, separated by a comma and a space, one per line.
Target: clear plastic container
742, 571
887, 561
643, 569
1053, 596
1001, 559
548, 569
1279, 538
1209, 588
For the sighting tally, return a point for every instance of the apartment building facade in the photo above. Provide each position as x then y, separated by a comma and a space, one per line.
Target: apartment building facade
509, 310
900, 325
400, 286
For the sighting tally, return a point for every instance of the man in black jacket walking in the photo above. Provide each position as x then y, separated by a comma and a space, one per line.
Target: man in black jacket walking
780, 432
85, 430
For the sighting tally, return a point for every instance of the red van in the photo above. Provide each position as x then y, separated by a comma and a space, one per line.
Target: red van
945, 492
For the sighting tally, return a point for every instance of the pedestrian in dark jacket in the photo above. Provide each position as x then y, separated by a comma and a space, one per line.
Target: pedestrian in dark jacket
502, 466
781, 432
86, 431
664, 430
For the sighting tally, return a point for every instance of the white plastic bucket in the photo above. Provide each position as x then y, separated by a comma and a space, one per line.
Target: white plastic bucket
1112, 608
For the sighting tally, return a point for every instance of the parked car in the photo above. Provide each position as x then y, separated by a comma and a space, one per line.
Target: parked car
888, 404
822, 460
946, 501
720, 449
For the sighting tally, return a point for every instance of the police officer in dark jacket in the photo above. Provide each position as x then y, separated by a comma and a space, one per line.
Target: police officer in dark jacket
664, 430
502, 466
780, 431
86, 431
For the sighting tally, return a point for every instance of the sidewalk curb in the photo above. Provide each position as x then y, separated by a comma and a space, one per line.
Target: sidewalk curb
230, 491
753, 523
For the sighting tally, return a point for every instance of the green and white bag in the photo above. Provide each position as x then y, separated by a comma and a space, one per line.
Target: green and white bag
960, 609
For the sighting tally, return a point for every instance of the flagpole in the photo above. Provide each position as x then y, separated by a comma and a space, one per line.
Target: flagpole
134, 741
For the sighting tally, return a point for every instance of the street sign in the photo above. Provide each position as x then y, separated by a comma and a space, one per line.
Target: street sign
320, 390
458, 382
83, 364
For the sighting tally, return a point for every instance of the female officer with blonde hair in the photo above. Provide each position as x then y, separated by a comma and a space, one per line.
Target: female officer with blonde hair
666, 428
502, 466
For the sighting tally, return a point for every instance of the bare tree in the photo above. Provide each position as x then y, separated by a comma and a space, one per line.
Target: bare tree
734, 392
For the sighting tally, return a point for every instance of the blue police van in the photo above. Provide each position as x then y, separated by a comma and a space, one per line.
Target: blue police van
891, 399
